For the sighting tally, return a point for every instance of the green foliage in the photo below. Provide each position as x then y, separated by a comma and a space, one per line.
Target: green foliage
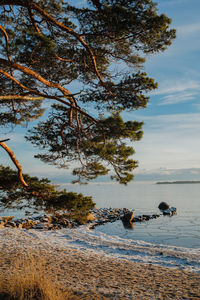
22, 113
40, 195
96, 50
103, 145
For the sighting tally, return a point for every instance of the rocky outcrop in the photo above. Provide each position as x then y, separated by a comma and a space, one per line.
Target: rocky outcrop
163, 206
166, 209
45, 222
95, 218
106, 215
128, 216
143, 218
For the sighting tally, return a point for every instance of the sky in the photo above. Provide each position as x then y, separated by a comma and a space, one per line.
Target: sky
169, 149
171, 142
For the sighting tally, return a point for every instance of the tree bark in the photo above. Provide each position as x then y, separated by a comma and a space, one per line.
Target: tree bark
15, 161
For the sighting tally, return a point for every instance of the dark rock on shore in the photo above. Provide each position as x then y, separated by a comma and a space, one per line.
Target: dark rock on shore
143, 218
163, 206
128, 225
128, 216
166, 209
170, 212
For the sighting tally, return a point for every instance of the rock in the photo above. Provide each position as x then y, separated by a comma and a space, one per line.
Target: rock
95, 218
128, 216
155, 216
10, 224
40, 227
163, 206
167, 212
91, 217
27, 225
170, 212
19, 225
7, 218
135, 219
64, 223
44, 219
146, 217
49, 219
125, 210
173, 210
50, 227
2, 224
128, 225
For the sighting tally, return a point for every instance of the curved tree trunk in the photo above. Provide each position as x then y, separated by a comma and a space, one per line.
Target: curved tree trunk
15, 161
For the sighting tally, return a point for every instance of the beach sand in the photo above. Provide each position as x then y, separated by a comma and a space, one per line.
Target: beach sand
98, 276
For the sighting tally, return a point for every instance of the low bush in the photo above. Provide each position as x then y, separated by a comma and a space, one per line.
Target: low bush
41, 195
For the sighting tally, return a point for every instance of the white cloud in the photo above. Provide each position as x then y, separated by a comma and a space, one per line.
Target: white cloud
177, 91
170, 141
188, 29
164, 171
168, 174
177, 85
178, 98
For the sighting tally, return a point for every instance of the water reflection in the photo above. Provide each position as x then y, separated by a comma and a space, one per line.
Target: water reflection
128, 225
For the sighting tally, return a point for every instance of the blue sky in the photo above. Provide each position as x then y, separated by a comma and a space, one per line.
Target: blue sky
170, 146
171, 142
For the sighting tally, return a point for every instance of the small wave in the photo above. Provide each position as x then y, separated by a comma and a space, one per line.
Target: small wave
139, 251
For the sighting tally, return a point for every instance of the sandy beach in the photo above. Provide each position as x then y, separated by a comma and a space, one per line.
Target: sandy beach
98, 276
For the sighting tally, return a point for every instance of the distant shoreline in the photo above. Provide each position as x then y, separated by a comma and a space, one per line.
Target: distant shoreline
178, 182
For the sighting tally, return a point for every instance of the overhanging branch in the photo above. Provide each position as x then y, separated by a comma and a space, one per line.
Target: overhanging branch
15, 161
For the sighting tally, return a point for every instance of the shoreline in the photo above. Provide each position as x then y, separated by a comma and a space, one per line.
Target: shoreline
98, 276
96, 217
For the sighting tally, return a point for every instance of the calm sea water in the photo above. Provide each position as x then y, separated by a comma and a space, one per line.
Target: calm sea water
181, 230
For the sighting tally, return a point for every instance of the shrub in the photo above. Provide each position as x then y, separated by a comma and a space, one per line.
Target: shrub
40, 195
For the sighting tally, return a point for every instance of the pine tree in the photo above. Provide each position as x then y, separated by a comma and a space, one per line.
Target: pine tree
81, 60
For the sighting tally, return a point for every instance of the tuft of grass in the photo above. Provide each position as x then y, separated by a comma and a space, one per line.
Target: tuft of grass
26, 279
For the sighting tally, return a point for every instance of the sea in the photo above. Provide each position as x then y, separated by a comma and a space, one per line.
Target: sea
182, 229
170, 241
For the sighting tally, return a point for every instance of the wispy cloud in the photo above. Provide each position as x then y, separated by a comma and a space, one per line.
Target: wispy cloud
178, 98
188, 29
164, 174
179, 125
177, 91
165, 171
174, 86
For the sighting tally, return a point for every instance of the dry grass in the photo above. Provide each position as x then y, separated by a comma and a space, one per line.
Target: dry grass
26, 279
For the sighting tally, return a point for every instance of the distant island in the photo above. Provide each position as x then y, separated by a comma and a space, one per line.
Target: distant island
178, 182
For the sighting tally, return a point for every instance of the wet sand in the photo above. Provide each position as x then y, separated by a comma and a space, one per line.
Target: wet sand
98, 276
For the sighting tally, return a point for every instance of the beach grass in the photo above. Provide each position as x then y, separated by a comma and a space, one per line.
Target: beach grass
27, 279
